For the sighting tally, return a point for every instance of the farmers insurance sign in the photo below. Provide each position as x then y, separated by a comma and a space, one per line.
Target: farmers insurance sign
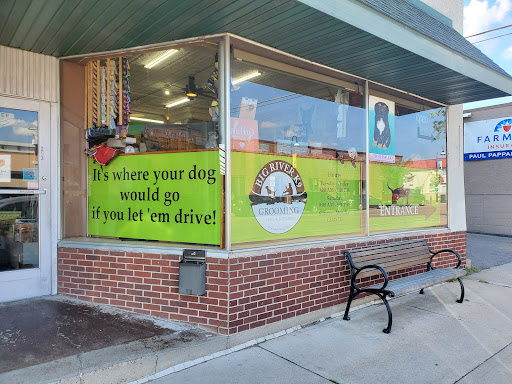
488, 139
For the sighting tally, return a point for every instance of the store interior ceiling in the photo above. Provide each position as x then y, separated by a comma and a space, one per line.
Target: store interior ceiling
149, 86
165, 83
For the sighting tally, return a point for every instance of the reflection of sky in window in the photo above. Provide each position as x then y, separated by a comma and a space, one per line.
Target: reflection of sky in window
22, 128
278, 112
413, 136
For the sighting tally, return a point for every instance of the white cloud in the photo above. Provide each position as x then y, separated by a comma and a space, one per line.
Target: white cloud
24, 131
268, 124
480, 15
22, 127
507, 54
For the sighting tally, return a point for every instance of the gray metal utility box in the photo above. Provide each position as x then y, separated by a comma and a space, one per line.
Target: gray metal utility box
193, 272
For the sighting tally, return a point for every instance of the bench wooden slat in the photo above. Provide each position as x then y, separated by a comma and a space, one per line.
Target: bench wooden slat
392, 260
423, 280
391, 256
390, 268
375, 249
420, 252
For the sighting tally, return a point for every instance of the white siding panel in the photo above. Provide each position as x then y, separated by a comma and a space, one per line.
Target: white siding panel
27, 74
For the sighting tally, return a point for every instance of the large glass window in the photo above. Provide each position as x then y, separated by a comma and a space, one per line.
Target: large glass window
407, 154
159, 111
312, 156
298, 151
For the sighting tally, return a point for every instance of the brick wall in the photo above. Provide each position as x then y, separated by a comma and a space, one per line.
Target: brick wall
273, 287
145, 283
242, 292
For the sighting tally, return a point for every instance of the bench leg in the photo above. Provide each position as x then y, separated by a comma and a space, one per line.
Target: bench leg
350, 298
390, 316
461, 291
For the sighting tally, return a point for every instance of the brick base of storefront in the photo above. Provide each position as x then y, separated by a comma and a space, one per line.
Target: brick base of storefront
244, 291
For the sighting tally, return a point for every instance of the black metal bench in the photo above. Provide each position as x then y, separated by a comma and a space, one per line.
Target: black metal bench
381, 259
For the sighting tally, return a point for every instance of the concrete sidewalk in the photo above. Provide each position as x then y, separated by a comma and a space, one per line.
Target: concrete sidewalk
433, 340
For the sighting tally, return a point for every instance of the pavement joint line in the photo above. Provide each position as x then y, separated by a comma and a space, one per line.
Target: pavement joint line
203, 359
294, 363
498, 284
426, 310
483, 362
239, 347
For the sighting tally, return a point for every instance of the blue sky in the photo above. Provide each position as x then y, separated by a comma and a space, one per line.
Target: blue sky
480, 16
20, 128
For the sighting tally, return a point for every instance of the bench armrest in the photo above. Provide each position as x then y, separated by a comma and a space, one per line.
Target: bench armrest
374, 266
450, 251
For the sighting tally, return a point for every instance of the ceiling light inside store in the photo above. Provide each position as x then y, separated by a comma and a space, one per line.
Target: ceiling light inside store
167, 92
161, 58
146, 120
181, 101
246, 77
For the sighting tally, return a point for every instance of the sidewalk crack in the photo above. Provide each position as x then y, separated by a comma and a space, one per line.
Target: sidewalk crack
298, 365
426, 310
496, 284
77, 346
483, 362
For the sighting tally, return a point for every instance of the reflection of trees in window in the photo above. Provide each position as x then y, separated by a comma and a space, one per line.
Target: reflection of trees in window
439, 124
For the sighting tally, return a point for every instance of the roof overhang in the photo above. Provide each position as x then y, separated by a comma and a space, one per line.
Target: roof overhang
346, 35
422, 65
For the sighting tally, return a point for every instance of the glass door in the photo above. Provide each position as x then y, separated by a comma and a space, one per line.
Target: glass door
25, 225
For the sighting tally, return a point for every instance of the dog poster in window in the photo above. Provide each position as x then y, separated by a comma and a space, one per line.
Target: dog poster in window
382, 130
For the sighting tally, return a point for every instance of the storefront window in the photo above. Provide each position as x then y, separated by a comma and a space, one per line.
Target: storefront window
297, 163
407, 153
159, 110
298, 140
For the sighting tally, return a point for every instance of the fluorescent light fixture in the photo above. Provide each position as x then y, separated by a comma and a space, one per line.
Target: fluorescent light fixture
177, 103
161, 58
246, 77
146, 120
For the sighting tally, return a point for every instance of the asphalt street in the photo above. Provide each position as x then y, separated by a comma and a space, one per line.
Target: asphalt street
487, 251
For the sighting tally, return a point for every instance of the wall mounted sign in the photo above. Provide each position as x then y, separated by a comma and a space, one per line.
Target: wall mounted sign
30, 174
488, 139
282, 197
278, 197
382, 130
5, 168
244, 135
160, 196
404, 197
